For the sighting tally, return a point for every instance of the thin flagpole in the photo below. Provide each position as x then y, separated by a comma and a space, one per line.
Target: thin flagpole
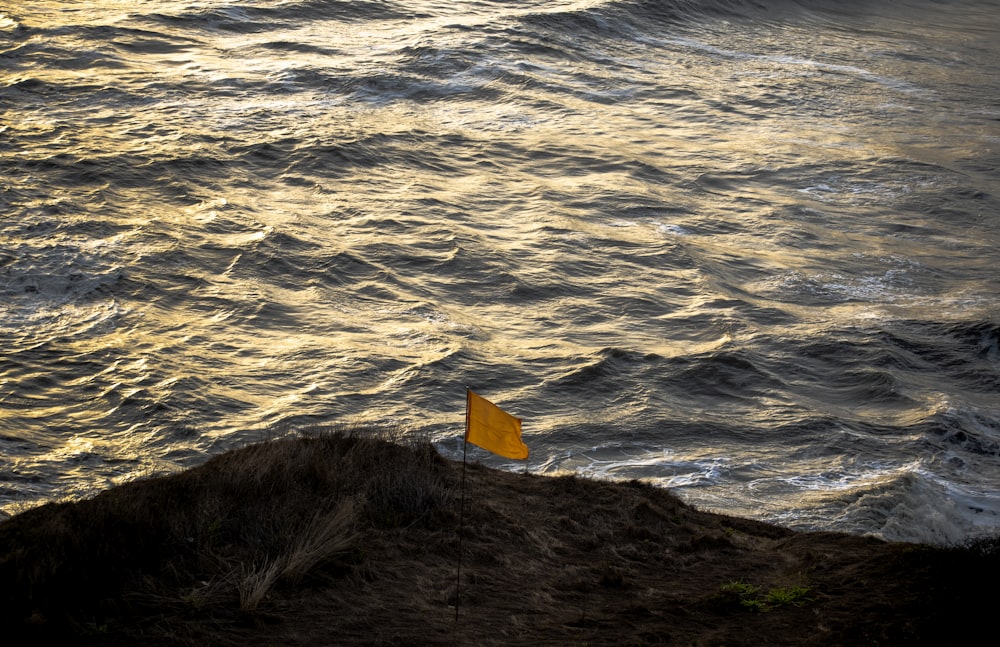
461, 509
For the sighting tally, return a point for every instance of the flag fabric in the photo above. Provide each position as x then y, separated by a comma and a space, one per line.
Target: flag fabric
490, 427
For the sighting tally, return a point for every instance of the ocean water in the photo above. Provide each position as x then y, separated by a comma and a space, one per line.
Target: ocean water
744, 249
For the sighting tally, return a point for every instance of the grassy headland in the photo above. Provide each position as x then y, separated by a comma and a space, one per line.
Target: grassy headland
350, 539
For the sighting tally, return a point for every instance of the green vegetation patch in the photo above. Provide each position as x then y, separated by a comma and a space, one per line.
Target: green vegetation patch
752, 597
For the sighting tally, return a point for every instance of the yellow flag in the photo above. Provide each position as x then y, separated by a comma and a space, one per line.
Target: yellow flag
492, 428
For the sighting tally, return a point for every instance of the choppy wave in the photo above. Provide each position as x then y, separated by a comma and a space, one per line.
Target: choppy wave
743, 249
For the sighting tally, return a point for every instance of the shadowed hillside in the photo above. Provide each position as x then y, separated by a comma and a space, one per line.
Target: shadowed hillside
349, 538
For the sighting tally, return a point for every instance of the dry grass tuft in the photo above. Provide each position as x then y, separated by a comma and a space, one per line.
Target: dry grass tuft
256, 582
326, 536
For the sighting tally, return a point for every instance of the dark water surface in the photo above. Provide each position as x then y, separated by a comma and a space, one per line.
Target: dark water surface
746, 250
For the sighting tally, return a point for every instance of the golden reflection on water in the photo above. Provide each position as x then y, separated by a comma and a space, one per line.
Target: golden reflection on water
321, 217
